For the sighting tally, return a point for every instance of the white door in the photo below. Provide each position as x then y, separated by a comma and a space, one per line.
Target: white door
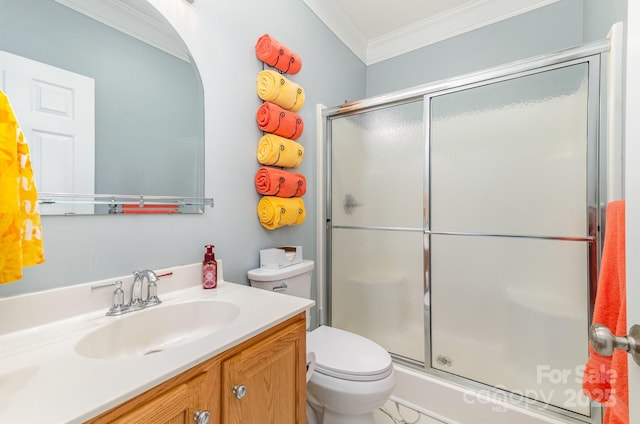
632, 193
56, 111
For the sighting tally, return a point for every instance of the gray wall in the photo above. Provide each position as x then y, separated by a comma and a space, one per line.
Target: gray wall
542, 30
600, 15
221, 35
560, 25
129, 75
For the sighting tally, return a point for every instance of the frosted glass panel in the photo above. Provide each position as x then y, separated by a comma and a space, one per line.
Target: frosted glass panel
510, 157
512, 313
377, 288
377, 168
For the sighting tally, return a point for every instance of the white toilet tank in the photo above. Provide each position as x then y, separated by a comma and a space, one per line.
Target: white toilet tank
294, 280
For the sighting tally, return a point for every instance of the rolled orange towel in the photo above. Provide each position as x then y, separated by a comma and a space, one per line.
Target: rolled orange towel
276, 120
279, 151
275, 88
280, 183
274, 53
275, 212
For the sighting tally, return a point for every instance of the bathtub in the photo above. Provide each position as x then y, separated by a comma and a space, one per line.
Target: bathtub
436, 400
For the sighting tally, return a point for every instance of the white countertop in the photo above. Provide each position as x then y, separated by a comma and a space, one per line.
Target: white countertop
43, 379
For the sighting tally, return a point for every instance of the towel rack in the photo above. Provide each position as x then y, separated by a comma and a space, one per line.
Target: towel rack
47, 198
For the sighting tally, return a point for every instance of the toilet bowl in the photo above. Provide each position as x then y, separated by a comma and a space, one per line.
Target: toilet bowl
352, 376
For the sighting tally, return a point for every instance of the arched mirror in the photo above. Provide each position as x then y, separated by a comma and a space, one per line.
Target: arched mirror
111, 104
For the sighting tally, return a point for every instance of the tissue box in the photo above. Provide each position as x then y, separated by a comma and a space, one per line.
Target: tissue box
280, 257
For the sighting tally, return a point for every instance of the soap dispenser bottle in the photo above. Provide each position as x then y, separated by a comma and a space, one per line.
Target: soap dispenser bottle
209, 269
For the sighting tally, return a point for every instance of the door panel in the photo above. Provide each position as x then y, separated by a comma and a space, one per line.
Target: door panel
512, 313
377, 168
378, 286
55, 108
632, 193
510, 157
512, 211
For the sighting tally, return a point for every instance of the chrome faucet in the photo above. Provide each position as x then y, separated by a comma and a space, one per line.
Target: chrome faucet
136, 302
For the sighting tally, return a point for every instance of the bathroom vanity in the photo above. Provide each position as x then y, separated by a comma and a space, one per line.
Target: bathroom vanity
261, 380
60, 348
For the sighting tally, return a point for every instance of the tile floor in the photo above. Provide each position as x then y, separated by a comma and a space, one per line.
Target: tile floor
393, 412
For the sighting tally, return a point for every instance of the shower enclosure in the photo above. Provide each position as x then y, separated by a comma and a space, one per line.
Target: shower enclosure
464, 225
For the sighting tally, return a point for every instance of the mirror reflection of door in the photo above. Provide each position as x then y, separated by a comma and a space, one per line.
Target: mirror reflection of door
56, 111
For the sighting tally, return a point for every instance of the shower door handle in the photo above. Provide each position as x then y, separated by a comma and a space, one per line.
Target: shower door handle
604, 342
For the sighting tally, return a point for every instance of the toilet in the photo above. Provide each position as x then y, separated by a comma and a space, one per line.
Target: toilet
353, 375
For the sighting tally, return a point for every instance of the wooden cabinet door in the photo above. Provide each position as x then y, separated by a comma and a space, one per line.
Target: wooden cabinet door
273, 373
175, 406
272, 367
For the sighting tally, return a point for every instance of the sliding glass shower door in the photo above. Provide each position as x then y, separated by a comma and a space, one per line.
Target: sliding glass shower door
512, 231
464, 227
377, 169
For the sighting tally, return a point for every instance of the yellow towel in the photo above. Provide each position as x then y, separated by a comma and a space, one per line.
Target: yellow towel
274, 150
20, 229
274, 88
275, 212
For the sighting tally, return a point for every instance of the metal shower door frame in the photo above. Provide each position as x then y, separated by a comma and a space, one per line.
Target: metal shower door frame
591, 53
594, 62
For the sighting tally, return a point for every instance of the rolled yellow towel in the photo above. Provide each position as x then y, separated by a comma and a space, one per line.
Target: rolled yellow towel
274, 150
275, 88
275, 212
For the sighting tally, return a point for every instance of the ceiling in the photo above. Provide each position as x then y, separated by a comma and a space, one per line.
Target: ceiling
377, 30
374, 30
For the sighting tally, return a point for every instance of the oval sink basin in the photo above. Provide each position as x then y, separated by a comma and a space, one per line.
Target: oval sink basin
156, 329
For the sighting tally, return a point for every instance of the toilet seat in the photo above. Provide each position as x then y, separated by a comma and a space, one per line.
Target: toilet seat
348, 356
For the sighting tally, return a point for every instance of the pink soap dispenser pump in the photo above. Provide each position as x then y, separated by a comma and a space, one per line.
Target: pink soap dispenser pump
209, 269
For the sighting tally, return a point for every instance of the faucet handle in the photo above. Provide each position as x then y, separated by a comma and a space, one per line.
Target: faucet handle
152, 294
135, 298
152, 287
117, 303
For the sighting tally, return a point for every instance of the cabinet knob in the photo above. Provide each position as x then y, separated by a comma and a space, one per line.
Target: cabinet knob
201, 417
240, 391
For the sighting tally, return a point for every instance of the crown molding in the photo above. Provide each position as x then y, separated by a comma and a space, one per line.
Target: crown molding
471, 15
145, 25
335, 19
459, 20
